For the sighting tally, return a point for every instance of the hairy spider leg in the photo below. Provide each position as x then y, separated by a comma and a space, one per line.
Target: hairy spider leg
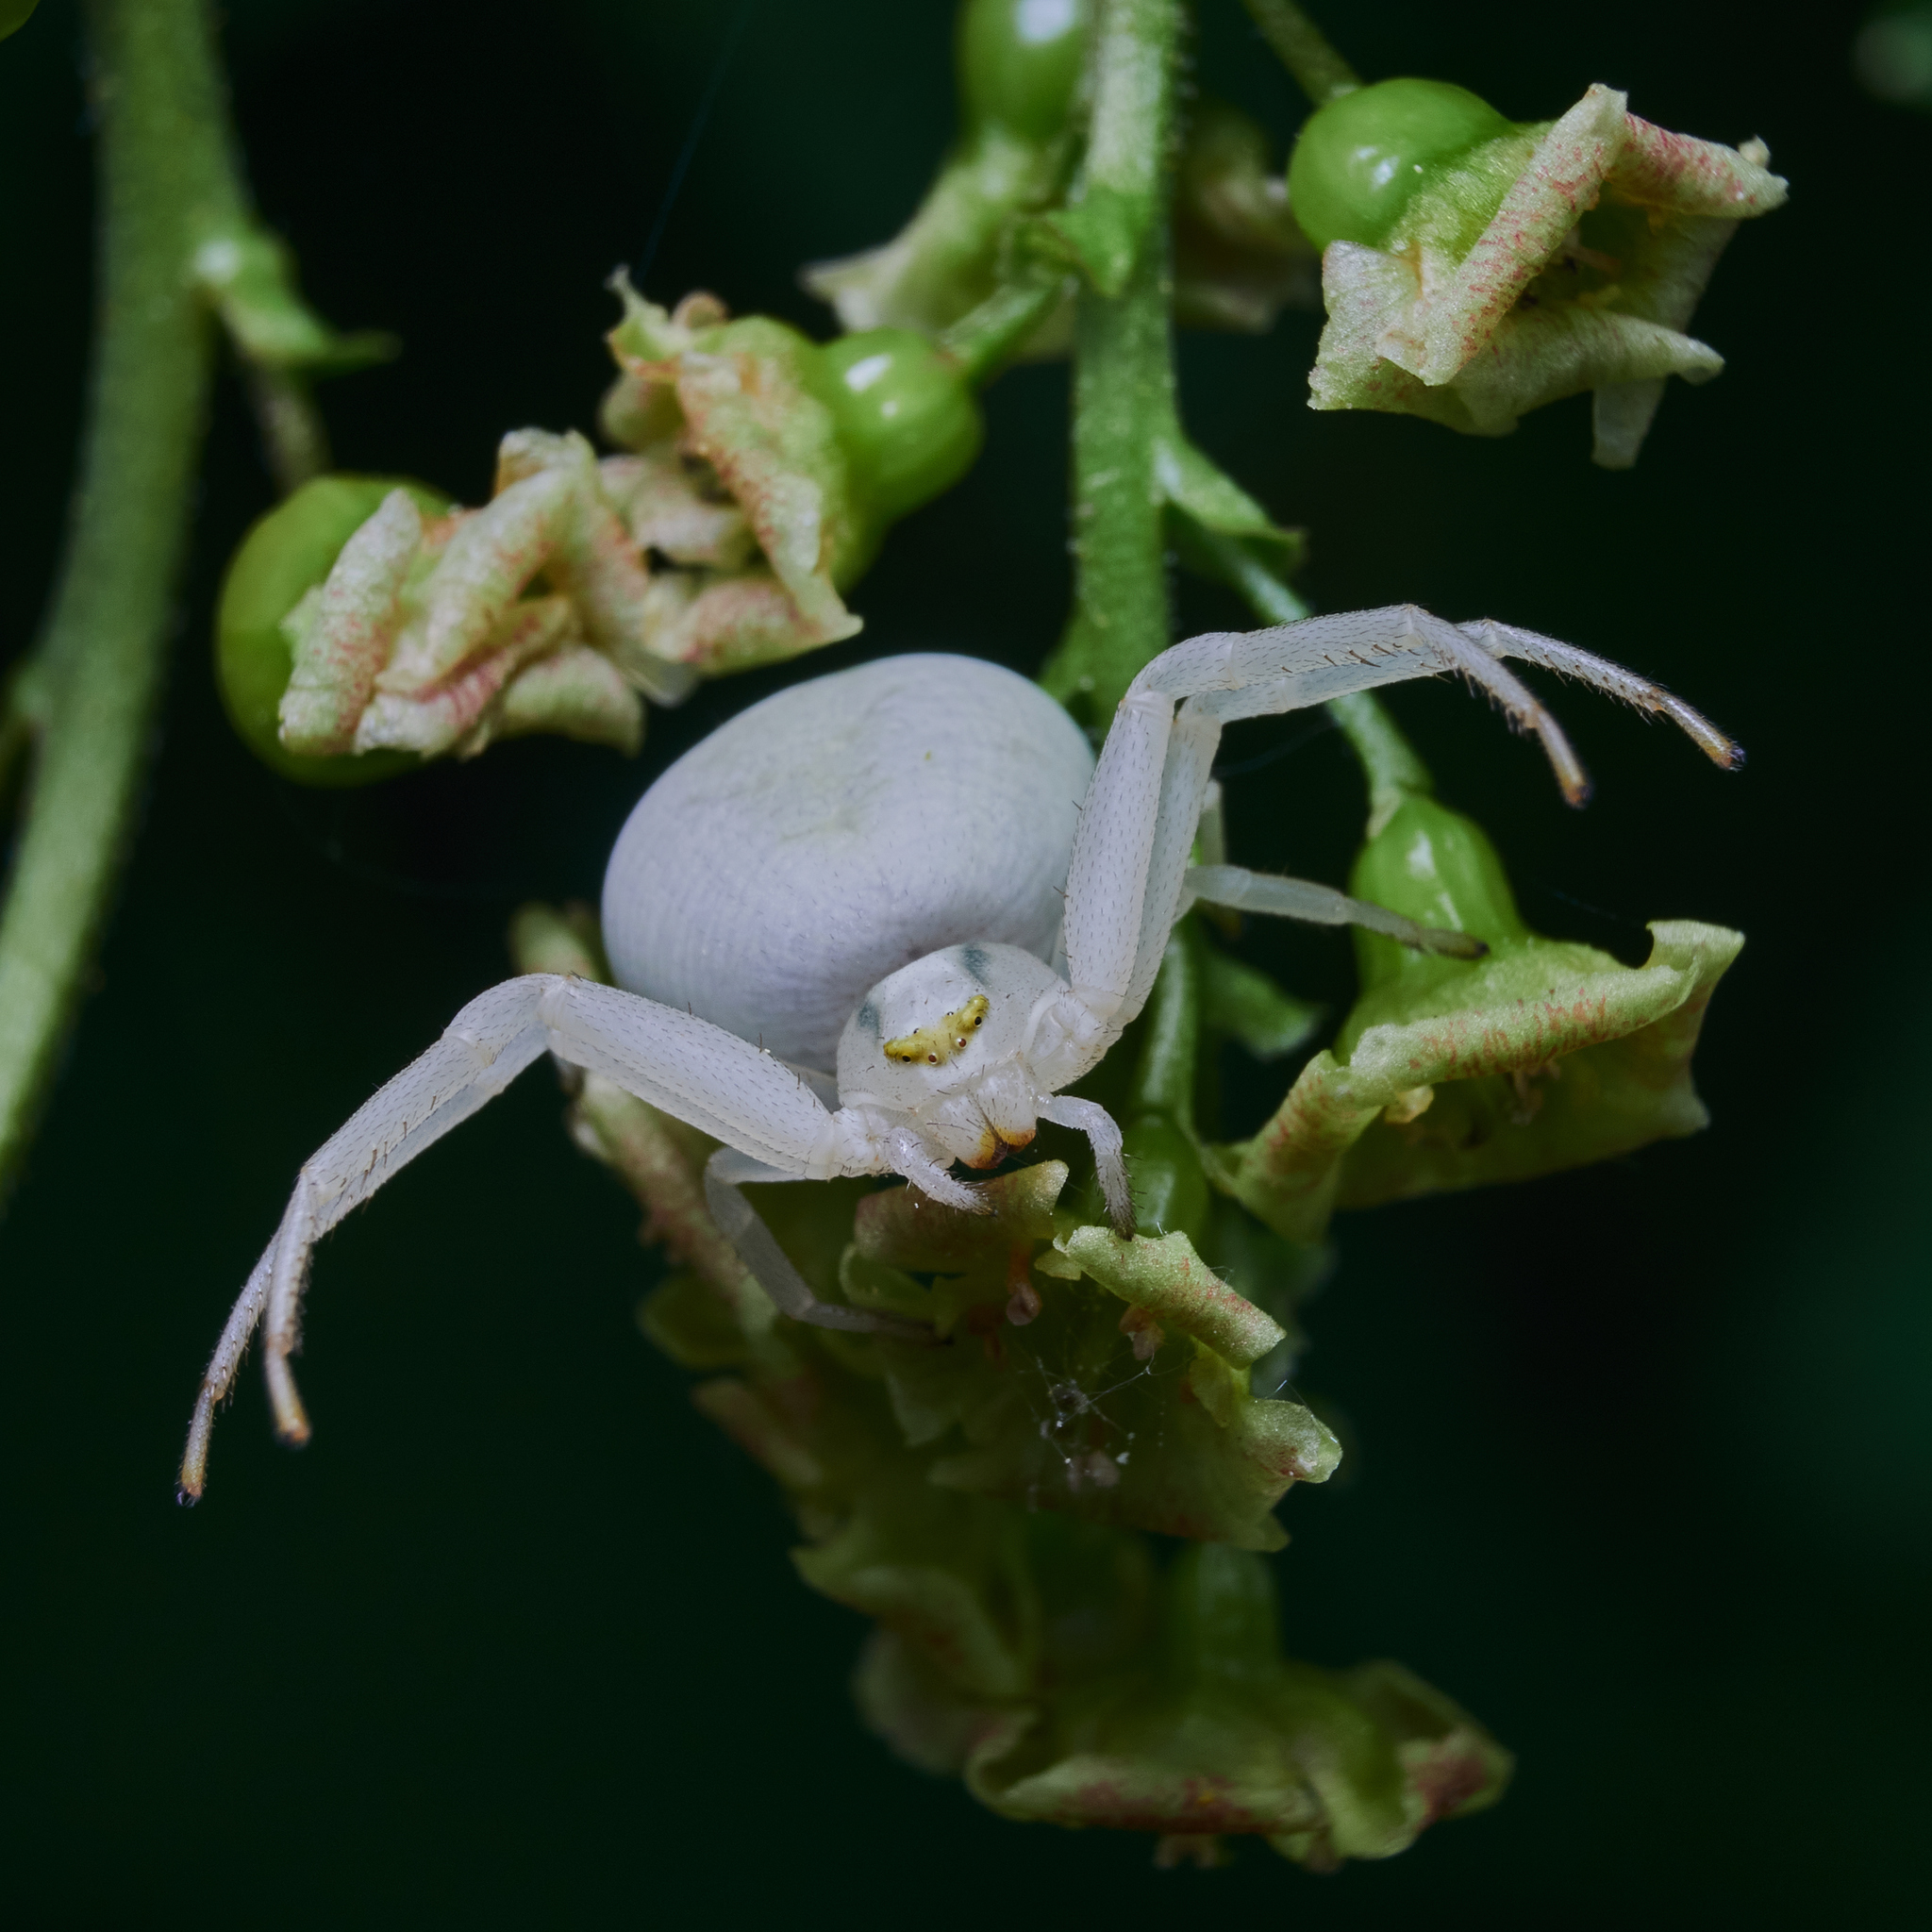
1242, 891
1566, 660
1132, 848
771, 1267
1103, 1136
688, 1068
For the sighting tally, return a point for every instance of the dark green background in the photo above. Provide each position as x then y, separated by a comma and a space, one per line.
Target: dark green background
1641, 1467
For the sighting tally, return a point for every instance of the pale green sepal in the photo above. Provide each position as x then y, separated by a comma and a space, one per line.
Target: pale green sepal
1540, 1057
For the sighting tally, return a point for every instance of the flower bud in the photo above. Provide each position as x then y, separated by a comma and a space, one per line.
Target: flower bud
1212, 1731
1439, 868
977, 1500
433, 635
766, 469
1020, 63
1239, 258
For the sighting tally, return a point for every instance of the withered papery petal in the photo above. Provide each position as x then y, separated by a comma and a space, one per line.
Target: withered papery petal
1471, 331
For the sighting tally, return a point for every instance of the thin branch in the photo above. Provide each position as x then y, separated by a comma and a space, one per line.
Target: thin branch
1319, 71
986, 339
294, 437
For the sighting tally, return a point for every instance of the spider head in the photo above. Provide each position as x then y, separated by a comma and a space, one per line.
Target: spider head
936, 1032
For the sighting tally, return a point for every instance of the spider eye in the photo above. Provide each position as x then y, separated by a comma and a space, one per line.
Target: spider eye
932, 1060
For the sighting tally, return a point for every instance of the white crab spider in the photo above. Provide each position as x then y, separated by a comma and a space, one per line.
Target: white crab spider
862, 875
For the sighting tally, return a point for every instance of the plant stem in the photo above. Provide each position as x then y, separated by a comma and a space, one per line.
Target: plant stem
1387, 759
986, 339
1123, 370
294, 437
167, 182
1319, 71
1267, 595
1164, 1079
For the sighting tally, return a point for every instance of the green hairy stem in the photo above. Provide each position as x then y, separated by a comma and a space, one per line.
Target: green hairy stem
87, 696
1122, 364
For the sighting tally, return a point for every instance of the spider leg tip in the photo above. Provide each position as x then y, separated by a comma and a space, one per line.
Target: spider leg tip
187, 1495
294, 1435
1734, 758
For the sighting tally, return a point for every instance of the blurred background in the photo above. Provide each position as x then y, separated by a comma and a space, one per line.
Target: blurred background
1641, 1467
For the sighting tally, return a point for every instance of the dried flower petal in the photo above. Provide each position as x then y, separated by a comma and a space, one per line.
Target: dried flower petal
1541, 263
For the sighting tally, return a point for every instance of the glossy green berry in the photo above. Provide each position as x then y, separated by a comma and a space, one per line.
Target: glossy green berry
1019, 63
1358, 159
908, 421
1170, 1189
1439, 869
285, 555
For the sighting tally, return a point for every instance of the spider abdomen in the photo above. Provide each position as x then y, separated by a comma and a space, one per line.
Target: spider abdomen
838, 831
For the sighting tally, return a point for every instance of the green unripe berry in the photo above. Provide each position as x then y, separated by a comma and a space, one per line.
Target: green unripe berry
285, 555
1170, 1189
1437, 868
1358, 159
14, 14
908, 421
1019, 63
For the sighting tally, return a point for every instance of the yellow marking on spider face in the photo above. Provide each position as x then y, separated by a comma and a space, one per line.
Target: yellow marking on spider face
936, 1044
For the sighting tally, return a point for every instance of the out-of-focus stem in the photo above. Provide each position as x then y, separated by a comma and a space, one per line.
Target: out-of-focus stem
1319, 71
1164, 1079
167, 180
1388, 761
294, 435
987, 338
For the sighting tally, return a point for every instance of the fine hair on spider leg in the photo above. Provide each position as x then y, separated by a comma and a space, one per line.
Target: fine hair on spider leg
1652, 700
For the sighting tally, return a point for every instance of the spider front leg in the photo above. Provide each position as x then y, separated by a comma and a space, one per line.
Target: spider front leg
1566, 660
1131, 852
702, 1074
1110, 1160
